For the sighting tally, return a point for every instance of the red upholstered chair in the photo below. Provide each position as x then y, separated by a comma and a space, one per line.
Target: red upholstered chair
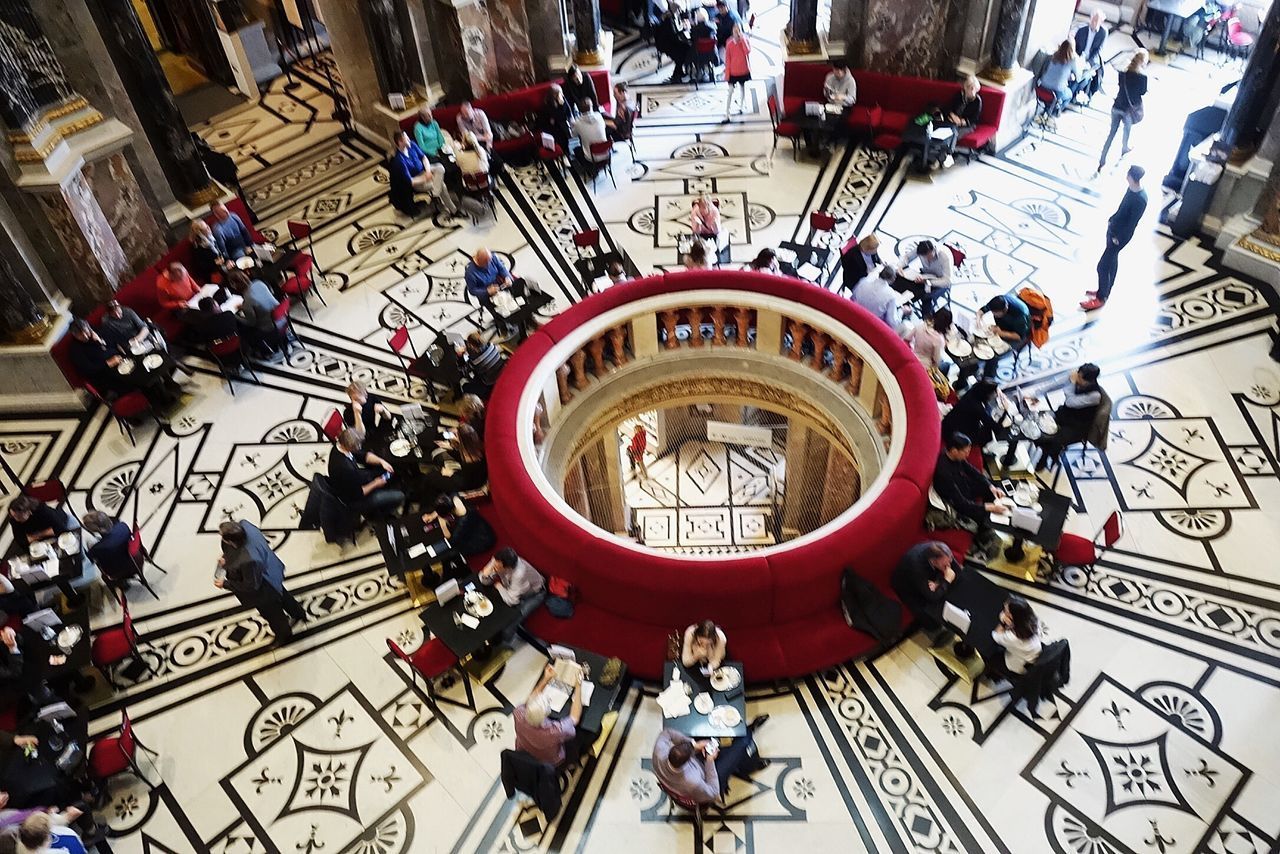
784, 129
123, 408
301, 283
550, 153
139, 557
299, 229
118, 754
227, 351
601, 160
284, 324
697, 810
51, 491
1074, 550
333, 425
113, 646
589, 239
704, 60
431, 660
1239, 41
480, 186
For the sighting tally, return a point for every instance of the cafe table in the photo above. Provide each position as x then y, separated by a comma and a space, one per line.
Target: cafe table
604, 698
527, 305
232, 302
37, 650
695, 724
441, 620
61, 561
982, 600
1053, 509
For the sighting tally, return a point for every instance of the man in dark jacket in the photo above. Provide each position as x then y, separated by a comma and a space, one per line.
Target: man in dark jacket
1089, 39
256, 575
969, 493
1120, 230
858, 260
921, 580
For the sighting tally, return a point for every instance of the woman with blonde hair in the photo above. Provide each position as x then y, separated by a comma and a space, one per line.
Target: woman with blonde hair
1127, 109
207, 254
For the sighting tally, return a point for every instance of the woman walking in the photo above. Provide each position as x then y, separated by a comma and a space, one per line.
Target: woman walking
737, 68
1127, 109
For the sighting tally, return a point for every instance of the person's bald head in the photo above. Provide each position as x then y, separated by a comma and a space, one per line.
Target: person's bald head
1097, 19
482, 257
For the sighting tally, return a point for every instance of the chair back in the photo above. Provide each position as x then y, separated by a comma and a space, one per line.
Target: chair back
332, 425
957, 255
1112, 529
398, 652
280, 314
228, 346
589, 239
126, 624
50, 491
476, 181
137, 550
299, 228
821, 221
602, 150
128, 741
679, 800
399, 338
704, 46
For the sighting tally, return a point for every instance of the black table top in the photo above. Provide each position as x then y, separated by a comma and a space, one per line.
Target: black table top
984, 600
36, 650
695, 724
603, 697
823, 121
402, 534
461, 640
1054, 509
68, 566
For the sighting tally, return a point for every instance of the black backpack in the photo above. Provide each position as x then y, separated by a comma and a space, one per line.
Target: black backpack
868, 610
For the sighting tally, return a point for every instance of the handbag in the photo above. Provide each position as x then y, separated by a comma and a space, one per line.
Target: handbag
1134, 110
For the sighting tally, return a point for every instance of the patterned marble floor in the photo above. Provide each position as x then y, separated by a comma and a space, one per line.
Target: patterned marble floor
1158, 744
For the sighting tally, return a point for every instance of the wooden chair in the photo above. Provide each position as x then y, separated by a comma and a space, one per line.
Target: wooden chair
118, 754
113, 646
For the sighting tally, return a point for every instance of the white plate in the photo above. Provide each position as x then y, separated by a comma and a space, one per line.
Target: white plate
244, 262
1048, 424
400, 448
39, 550
69, 542
959, 349
725, 678
480, 606
153, 361
69, 637
725, 716
125, 367
703, 703
984, 351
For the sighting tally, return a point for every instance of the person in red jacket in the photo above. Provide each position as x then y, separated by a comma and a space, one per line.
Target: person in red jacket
737, 68
636, 449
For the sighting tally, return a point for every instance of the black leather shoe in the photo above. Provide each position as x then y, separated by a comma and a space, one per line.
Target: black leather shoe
757, 723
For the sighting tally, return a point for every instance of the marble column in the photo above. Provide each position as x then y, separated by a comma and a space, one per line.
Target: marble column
509, 28
586, 31
388, 45
802, 28
917, 38
483, 48
1254, 105
161, 119
1004, 50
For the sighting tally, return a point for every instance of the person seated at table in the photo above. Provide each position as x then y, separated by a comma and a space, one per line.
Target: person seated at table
208, 256
616, 272
106, 542
1020, 635
703, 645
430, 137
439, 522
704, 218
472, 470
409, 165
256, 315
361, 478
13, 602
471, 412
230, 232
969, 494
484, 364
622, 123
538, 735
209, 323
557, 115
699, 770
876, 294
578, 87
589, 129
1012, 319
1075, 416
97, 362
517, 582
766, 261
32, 521
934, 277
1058, 73
698, 257
971, 416
46, 833
122, 328
365, 411
928, 338
473, 120
726, 19
838, 87
921, 581
670, 39
961, 116
701, 28
486, 275
471, 157
175, 289
859, 261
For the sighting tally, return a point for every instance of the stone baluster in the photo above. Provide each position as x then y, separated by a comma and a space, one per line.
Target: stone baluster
668, 320
884, 418
820, 342
695, 326
578, 361
855, 374
797, 331
717, 322
840, 358
562, 384
596, 348
742, 319
618, 341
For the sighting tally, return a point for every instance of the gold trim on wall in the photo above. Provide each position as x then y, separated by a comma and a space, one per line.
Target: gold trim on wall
1270, 251
30, 154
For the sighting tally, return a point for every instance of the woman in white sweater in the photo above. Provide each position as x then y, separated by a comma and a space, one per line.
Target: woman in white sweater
703, 645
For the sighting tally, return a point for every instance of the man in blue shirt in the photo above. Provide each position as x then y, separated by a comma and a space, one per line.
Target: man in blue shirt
485, 276
229, 230
726, 18
410, 167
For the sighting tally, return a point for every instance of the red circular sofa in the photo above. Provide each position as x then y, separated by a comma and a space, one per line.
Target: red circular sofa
780, 606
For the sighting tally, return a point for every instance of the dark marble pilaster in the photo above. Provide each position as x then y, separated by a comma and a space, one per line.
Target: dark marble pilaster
802, 27
1004, 50
586, 30
93, 252
1255, 102
388, 46
513, 53
32, 82
161, 119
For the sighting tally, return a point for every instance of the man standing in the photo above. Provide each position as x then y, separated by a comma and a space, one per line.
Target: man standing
1089, 39
250, 569
1120, 230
